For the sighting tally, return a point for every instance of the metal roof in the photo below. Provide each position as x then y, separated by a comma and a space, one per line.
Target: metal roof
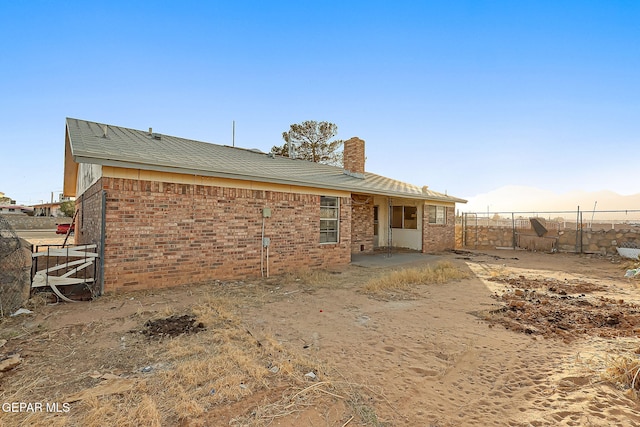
109, 145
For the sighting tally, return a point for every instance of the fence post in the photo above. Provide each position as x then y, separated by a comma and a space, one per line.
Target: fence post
477, 232
513, 231
578, 230
464, 226
581, 234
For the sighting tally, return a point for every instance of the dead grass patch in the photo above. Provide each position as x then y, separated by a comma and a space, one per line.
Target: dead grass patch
624, 371
309, 277
292, 402
224, 365
628, 264
405, 279
362, 401
220, 375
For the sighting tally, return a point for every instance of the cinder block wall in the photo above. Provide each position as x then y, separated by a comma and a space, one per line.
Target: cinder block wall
600, 240
438, 237
165, 234
361, 224
25, 222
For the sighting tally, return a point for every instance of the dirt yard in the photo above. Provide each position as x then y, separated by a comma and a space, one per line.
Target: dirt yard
526, 339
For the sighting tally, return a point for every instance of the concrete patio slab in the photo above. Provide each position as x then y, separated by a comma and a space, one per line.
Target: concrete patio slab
381, 260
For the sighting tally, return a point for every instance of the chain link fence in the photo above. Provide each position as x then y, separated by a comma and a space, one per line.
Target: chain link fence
565, 231
15, 267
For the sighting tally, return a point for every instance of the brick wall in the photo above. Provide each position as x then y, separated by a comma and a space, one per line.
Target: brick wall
88, 228
438, 237
89, 216
166, 234
361, 224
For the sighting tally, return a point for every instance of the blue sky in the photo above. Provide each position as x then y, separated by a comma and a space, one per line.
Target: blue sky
464, 96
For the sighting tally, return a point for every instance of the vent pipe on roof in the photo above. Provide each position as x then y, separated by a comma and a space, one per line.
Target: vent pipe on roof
292, 153
105, 128
150, 131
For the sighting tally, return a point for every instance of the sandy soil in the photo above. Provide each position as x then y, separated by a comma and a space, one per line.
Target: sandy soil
496, 349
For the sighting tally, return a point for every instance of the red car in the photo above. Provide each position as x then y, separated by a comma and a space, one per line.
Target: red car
64, 228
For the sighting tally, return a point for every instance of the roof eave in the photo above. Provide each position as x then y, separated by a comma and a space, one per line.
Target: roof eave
214, 174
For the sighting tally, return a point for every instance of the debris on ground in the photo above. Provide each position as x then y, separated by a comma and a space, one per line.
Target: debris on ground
107, 376
21, 311
468, 255
10, 362
172, 326
632, 273
551, 307
105, 388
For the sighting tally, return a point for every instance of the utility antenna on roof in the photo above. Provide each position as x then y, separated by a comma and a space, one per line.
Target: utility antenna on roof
292, 153
233, 134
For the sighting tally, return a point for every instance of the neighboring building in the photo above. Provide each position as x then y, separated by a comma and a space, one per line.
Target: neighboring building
4, 200
168, 211
15, 210
50, 209
47, 209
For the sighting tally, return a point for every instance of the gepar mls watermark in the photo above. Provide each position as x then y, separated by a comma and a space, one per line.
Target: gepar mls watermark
32, 407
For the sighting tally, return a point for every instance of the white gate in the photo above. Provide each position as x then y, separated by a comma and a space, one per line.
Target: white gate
72, 265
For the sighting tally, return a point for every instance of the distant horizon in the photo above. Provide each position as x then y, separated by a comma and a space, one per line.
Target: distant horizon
604, 205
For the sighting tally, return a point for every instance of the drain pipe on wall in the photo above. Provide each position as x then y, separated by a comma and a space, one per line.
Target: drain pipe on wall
264, 243
103, 231
262, 250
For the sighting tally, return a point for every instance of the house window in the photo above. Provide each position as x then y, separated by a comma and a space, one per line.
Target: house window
404, 217
329, 215
437, 214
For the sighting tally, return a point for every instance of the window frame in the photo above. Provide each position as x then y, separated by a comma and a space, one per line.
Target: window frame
436, 219
402, 209
329, 204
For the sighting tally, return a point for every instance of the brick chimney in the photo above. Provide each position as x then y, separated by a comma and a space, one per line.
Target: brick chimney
353, 157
